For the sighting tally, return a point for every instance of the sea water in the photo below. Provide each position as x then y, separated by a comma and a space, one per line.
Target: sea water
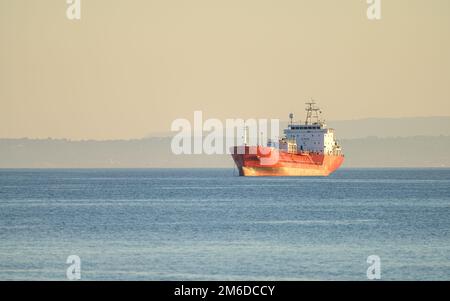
209, 224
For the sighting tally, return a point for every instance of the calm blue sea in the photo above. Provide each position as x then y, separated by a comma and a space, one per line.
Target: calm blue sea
212, 225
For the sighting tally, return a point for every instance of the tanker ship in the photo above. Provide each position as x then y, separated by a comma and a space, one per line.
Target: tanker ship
308, 149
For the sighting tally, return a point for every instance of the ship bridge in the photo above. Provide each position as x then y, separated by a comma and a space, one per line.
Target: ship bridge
312, 136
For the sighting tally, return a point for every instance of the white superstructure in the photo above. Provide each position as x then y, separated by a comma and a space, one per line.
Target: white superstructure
312, 136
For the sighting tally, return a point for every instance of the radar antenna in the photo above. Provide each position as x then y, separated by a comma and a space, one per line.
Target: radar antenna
312, 113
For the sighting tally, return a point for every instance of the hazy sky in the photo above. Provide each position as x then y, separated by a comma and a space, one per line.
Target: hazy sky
128, 68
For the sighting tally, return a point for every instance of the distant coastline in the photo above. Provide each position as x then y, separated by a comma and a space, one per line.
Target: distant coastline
388, 143
418, 151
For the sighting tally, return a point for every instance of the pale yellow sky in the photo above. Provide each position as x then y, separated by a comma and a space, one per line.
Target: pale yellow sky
128, 68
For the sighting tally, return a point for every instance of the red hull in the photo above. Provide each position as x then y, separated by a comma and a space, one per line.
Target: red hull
264, 161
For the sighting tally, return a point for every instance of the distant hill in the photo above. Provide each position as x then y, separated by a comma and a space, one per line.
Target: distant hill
404, 142
392, 127
378, 127
419, 151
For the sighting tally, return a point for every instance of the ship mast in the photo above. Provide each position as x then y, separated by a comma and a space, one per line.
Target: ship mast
291, 117
312, 113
